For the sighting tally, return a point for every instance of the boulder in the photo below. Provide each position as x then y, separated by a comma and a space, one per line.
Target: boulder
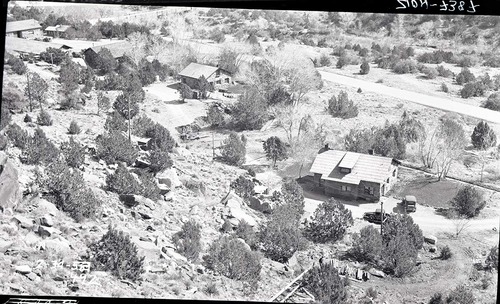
377, 273
169, 178
432, 249
140, 163
244, 243
258, 205
46, 221
430, 239
10, 193
23, 269
4, 245
44, 206
195, 210
132, 200
240, 215
47, 231
259, 189
23, 222
32, 276
164, 189
170, 252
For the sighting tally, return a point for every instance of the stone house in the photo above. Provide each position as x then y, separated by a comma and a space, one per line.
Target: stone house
24, 29
216, 76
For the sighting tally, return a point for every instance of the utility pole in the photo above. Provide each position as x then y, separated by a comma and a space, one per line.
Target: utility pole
381, 217
29, 91
51, 58
129, 122
213, 146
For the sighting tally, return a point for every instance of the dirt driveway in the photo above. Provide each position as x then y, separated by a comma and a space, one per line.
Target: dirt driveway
425, 217
423, 99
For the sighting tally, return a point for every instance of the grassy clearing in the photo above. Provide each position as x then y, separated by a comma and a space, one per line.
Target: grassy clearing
426, 188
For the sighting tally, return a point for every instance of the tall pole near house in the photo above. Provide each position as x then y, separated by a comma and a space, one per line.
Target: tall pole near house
213, 146
29, 91
381, 217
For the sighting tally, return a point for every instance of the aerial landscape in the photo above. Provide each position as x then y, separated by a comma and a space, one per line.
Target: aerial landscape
246, 154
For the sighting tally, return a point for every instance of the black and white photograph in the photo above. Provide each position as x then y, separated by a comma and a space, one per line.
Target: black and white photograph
250, 154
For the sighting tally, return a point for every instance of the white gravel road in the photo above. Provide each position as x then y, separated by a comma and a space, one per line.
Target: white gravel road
423, 99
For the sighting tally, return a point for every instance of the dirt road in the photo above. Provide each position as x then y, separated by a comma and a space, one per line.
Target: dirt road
423, 99
425, 217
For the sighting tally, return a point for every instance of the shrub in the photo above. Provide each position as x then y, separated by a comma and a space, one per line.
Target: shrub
39, 149
444, 72
103, 103
275, 149
342, 61
437, 57
324, 60
160, 138
467, 61
115, 252
405, 66
122, 182
243, 187
483, 137
279, 95
493, 102
402, 239
465, 76
74, 153
233, 150
17, 65
4, 142
444, 87
249, 112
367, 245
246, 232
329, 222
53, 55
359, 140
187, 241
211, 289
445, 253
114, 147
115, 122
468, 201
227, 226
44, 119
390, 141
66, 189
436, 298
411, 128
485, 282
185, 91
74, 128
27, 118
280, 237
71, 100
293, 196
215, 116
492, 258
342, 106
229, 257
364, 68
326, 285
17, 135
430, 73
460, 295
141, 124
148, 185
159, 160
473, 89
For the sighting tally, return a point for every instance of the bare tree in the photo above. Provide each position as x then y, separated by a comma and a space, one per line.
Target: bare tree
461, 224
138, 42
36, 89
156, 46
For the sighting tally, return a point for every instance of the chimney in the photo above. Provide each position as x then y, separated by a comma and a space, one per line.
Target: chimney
370, 151
326, 147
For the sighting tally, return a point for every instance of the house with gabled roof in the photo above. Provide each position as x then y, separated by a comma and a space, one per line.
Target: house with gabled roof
354, 175
117, 49
57, 31
216, 76
24, 29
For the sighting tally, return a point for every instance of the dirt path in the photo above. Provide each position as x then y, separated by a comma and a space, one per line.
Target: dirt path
423, 99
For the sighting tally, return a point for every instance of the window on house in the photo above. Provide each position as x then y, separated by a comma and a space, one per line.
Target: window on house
227, 80
217, 73
368, 190
346, 188
217, 82
345, 170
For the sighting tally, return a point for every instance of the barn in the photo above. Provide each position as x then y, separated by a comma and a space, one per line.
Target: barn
24, 29
117, 50
354, 175
216, 76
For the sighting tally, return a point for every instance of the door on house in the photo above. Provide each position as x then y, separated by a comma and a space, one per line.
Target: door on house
383, 190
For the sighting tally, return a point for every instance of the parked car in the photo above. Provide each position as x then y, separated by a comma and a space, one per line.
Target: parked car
409, 203
376, 217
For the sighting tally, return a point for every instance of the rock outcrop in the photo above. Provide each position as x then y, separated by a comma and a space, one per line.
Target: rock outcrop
10, 193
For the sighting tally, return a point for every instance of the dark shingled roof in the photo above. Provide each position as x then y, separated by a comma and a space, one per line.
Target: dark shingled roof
23, 25
364, 167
